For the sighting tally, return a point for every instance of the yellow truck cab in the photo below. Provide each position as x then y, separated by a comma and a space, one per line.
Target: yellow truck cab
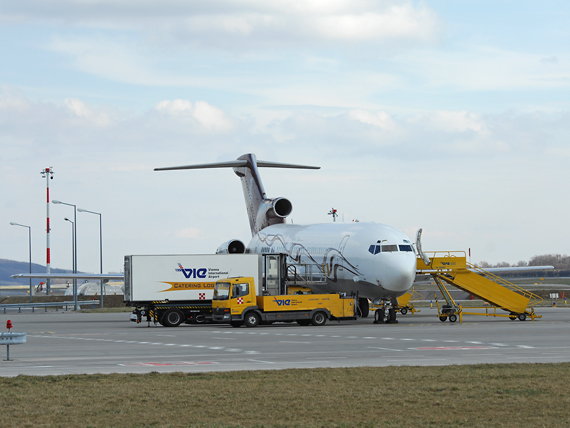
242, 300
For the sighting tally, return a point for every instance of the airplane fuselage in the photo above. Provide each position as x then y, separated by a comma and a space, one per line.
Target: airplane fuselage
375, 260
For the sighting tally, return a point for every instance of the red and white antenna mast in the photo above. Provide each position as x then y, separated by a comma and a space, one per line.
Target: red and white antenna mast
47, 174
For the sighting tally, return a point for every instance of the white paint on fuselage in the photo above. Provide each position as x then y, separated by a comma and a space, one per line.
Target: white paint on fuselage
343, 250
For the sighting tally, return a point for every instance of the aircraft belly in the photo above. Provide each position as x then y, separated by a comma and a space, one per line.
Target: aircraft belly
364, 289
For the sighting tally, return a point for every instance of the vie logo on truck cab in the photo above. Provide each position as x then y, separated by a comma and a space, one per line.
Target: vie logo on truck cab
192, 273
283, 302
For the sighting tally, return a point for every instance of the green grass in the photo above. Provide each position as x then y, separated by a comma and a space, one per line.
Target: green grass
508, 395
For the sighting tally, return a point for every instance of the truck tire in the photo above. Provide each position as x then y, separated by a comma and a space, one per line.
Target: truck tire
319, 318
364, 307
172, 318
251, 319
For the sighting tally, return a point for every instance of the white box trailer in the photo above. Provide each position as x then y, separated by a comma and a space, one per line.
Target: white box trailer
172, 289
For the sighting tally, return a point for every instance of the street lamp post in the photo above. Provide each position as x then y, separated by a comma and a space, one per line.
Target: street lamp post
73, 261
30, 250
81, 210
74, 247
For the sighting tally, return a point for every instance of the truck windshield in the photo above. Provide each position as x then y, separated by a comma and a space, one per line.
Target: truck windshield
222, 291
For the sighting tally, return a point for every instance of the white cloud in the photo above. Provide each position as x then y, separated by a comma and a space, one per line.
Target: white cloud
210, 117
244, 23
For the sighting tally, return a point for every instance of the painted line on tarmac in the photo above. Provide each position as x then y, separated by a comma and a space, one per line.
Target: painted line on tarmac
182, 345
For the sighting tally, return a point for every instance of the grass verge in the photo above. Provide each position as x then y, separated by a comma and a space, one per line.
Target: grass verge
503, 395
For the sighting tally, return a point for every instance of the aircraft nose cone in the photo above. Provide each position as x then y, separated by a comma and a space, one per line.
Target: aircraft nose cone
401, 273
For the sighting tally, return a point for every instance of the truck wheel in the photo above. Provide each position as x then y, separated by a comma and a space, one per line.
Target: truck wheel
319, 318
364, 307
251, 319
172, 318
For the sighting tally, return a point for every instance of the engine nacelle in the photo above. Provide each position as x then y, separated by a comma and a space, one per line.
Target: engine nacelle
233, 246
273, 211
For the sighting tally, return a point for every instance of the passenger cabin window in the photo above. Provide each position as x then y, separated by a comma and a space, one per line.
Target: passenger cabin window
389, 248
240, 290
406, 248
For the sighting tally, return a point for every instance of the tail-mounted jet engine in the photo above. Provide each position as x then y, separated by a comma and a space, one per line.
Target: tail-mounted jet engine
233, 246
273, 211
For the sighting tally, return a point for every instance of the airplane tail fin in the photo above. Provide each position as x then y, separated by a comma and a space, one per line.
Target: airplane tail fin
262, 211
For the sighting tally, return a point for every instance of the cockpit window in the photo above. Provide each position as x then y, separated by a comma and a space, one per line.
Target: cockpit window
406, 248
389, 248
374, 249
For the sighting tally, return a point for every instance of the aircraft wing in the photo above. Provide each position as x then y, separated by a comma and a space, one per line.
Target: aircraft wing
515, 269
81, 276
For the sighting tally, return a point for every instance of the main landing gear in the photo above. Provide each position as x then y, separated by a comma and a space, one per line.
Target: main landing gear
386, 314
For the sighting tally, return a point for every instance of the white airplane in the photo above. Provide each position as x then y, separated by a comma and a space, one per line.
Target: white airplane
374, 260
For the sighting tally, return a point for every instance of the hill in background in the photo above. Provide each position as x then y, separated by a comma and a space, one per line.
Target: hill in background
12, 267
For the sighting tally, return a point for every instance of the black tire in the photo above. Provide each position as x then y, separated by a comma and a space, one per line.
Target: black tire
172, 318
364, 307
379, 316
442, 318
319, 318
522, 317
251, 319
404, 311
452, 318
304, 322
236, 324
392, 315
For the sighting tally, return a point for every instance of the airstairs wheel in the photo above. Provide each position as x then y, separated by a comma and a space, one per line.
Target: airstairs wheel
452, 318
442, 318
404, 311
522, 317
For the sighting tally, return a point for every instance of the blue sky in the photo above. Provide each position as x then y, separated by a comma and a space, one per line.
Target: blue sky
451, 116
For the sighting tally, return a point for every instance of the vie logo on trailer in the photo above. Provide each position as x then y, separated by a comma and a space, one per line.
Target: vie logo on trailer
192, 273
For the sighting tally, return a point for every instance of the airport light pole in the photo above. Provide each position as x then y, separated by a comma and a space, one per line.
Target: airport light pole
30, 250
73, 261
47, 173
74, 247
81, 210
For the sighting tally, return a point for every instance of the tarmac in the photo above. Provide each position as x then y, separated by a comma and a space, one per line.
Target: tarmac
67, 342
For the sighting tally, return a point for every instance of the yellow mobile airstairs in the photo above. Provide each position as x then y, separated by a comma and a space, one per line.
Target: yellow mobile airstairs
454, 269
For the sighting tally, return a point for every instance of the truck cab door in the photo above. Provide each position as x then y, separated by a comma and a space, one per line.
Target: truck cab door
243, 296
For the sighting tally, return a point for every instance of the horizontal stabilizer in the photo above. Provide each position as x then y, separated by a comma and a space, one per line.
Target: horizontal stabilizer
238, 163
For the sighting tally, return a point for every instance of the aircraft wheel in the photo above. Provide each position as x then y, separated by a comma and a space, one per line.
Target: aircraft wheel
522, 317
452, 318
319, 318
404, 311
251, 319
236, 324
172, 318
442, 318
391, 315
379, 316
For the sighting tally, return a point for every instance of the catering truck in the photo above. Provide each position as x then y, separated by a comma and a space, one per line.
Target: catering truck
248, 301
176, 289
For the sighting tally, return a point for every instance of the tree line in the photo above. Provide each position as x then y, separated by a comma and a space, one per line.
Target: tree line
560, 262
